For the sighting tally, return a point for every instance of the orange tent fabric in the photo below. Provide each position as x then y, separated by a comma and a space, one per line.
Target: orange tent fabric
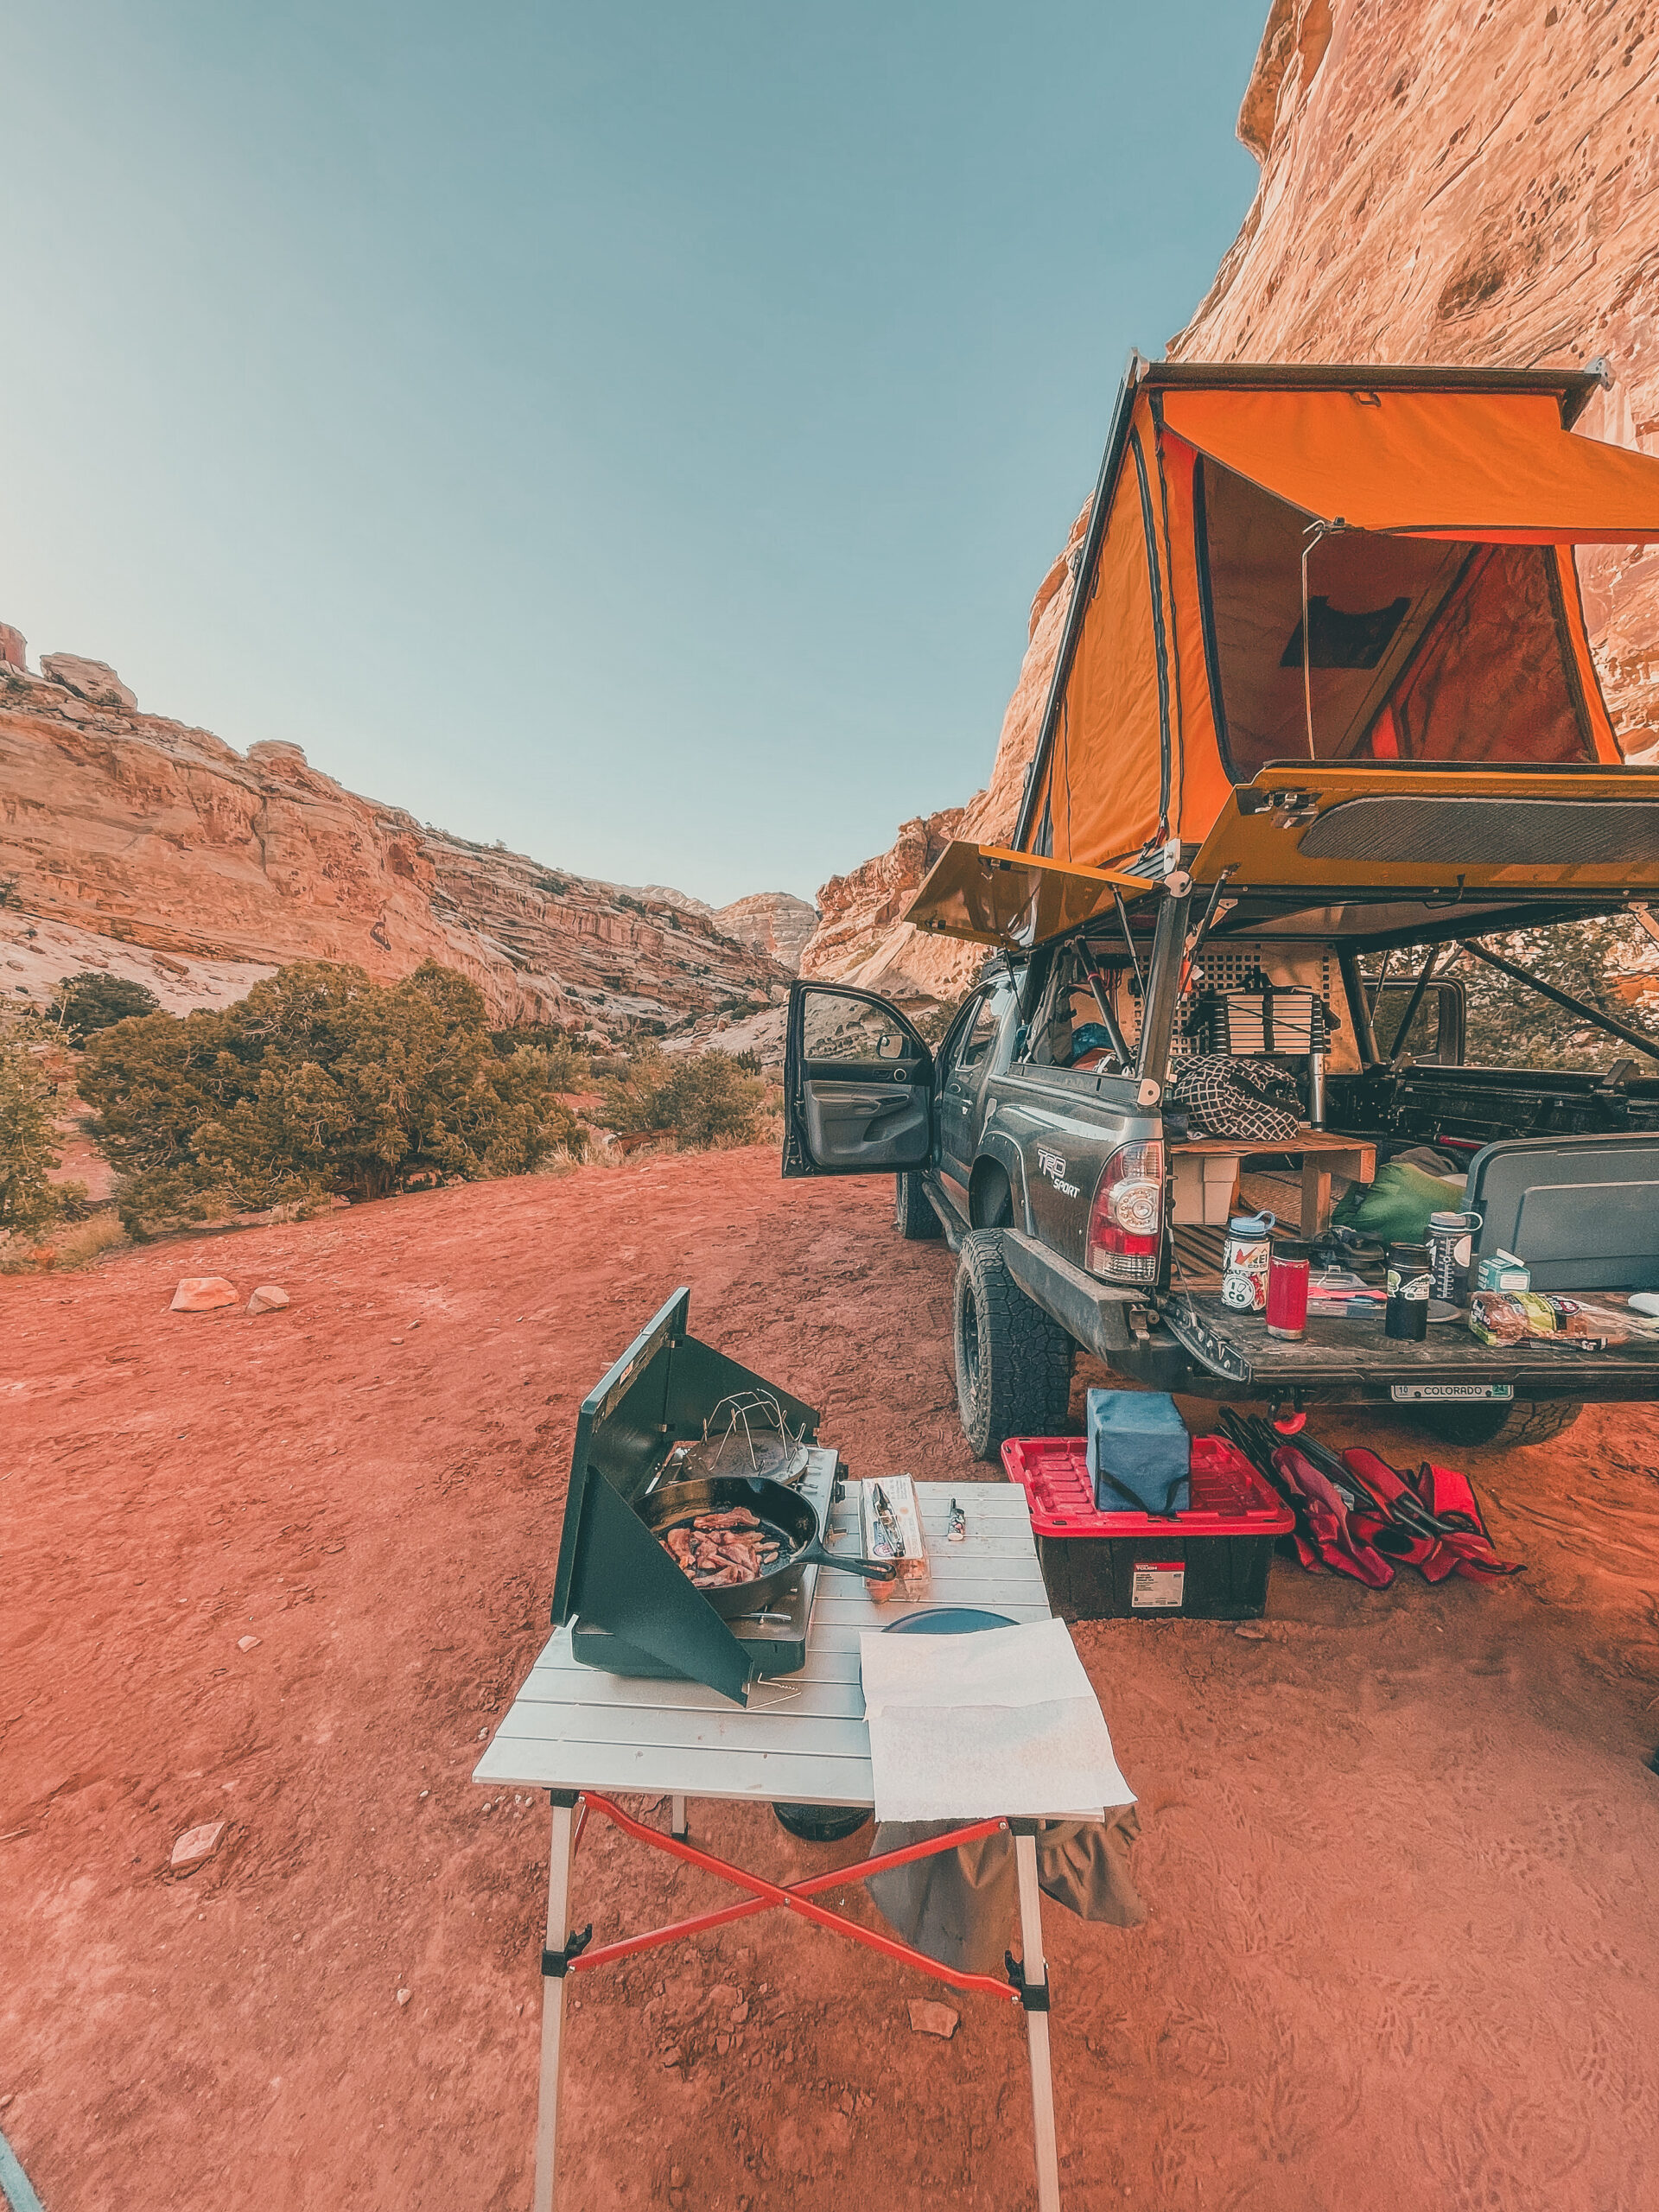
1493, 465
1185, 670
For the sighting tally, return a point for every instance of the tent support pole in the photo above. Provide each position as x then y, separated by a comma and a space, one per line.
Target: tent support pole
1163, 988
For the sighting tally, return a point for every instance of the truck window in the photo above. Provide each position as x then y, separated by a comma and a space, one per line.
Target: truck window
836, 1029
982, 1033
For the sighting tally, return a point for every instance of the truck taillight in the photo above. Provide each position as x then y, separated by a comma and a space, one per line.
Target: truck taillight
1127, 1218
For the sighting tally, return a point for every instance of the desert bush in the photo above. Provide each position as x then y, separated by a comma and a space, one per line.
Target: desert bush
91, 1000
28, 1199
75, 1246
319, 1081
705, 1099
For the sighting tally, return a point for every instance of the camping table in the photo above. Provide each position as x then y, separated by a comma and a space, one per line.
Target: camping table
1322, 1156
802, 1739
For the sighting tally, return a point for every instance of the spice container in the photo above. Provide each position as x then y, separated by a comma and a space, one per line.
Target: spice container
890, 1523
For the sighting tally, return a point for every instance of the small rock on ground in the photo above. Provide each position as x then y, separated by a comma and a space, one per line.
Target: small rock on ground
1253, 1629
200, 1293
267, 1299
197, 1843
927, 2019
247, 1643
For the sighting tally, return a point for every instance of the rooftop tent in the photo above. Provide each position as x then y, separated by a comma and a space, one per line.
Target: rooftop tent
1382, 554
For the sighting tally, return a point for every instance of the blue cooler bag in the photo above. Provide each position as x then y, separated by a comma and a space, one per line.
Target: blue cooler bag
1140, 1453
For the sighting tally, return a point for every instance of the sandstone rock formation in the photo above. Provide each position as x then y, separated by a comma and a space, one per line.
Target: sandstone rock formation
123, 831
89, 679
1439, 183
773, 922
859, 913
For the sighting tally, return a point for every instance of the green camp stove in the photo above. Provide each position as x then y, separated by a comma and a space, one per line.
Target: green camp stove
670, 1409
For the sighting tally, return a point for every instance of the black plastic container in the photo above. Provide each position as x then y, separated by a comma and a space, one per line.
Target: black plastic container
1210, 1563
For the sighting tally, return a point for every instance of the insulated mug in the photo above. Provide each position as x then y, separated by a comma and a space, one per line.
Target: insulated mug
1409, 1272
1287, 1287
1406, 1317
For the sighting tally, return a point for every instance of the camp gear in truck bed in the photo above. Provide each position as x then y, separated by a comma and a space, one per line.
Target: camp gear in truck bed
1582, 1212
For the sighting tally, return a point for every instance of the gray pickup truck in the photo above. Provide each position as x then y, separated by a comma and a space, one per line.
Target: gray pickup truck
1038, 1137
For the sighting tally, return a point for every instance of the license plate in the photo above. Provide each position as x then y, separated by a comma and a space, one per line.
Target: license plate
1438, 1393
1157, 1586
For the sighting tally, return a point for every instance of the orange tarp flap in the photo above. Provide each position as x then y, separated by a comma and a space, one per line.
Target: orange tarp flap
1428, 464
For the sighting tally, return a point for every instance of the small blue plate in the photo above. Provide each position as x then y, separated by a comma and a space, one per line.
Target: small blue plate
950, 1620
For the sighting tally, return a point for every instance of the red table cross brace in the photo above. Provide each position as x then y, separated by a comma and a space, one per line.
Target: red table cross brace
764, 1896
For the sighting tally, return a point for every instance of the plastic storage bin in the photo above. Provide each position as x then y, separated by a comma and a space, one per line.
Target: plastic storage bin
1210, 1563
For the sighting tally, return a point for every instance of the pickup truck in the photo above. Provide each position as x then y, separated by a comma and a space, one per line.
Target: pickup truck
1325, 694
1084, 1211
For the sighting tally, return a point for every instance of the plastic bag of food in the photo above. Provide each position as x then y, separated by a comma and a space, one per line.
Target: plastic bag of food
1504, 1317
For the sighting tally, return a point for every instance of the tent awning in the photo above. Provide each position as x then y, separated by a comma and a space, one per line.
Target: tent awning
1487, 466
991, 895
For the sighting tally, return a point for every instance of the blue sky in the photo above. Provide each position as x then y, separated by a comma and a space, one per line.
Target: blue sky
635, 432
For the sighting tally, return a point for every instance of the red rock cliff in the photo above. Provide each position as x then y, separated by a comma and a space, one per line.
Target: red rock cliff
1450, 180
143, 832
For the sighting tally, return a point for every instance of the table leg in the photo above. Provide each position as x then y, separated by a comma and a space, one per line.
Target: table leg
1316, 1195
677, 1818
1036, 1975
558, 1927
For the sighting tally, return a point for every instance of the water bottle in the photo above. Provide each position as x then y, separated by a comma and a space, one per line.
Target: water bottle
1244, 1265
1451, 1248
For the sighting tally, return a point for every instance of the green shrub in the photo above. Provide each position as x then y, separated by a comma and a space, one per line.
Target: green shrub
705, 1099
90, 1001
319, 1081
28, 1199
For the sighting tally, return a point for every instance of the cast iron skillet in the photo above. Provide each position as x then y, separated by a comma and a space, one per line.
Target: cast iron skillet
790, 1519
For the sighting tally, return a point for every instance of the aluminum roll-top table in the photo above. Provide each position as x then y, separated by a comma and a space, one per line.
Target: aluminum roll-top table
579, 1735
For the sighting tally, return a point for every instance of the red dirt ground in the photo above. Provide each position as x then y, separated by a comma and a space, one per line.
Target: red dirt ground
1401, 1853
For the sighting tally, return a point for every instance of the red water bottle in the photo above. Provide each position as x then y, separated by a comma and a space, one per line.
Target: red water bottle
1287, 1287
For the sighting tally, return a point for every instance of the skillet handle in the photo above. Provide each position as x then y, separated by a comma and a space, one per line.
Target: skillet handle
872, 1570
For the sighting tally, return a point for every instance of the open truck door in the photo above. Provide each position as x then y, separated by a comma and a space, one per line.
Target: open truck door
858, 1085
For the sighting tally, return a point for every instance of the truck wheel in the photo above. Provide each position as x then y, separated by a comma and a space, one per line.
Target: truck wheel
1014, 1365
912, 1217
1528, 1421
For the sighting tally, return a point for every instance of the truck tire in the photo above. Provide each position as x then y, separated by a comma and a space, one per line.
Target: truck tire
1013, 1363
912, 1217
1528, 1421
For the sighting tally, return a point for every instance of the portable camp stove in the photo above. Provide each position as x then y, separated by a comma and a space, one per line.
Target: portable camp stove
747, 1433
774, 1641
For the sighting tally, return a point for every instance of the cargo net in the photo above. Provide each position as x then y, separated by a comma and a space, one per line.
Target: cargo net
1302, 979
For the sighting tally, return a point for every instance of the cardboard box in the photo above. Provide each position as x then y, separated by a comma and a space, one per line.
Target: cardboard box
1501, 1271
1205, 1183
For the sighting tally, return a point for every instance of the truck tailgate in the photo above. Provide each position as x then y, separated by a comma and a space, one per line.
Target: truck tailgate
1236, 1348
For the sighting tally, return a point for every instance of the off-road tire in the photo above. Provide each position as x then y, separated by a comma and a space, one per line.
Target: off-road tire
912, 1217
1527, 1420
1013, 1363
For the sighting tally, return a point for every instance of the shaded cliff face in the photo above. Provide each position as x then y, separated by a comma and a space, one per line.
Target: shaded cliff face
1441, 182
143, 833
